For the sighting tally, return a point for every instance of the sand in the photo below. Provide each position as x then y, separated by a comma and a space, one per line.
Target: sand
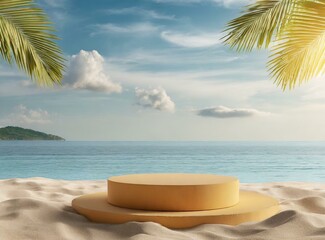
40, 208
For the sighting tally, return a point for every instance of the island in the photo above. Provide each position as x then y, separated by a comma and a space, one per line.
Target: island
18, 133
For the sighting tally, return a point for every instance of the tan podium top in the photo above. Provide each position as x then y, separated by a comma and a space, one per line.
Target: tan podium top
173, 192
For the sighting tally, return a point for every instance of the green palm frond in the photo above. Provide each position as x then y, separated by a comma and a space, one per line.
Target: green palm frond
26, 36
299, 54
260, 22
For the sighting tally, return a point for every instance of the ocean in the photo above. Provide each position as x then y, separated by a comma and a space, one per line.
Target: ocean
249, 161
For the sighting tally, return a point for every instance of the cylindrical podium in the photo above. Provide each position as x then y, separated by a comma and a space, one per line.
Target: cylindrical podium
173, 192
175, 201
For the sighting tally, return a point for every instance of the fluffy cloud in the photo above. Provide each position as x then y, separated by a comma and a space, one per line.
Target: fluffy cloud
86, 71
191, 40
156, 98
23, 115
225, 112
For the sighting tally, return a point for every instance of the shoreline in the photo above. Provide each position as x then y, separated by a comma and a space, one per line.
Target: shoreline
40, 208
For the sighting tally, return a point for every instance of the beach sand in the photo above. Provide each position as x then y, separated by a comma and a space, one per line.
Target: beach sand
40, 208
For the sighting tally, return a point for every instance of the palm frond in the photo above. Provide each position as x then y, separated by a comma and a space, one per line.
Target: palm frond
27, 36
260, 22
299, 54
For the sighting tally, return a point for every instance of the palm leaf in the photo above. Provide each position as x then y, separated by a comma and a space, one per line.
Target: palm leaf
26, 36
299, 54
259, 23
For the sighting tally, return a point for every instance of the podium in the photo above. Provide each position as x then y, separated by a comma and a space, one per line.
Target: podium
175, 201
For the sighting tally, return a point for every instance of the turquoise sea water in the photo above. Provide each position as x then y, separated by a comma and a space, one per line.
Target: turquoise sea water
250, 161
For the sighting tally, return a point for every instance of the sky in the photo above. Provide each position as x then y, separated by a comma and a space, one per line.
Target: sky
158, 70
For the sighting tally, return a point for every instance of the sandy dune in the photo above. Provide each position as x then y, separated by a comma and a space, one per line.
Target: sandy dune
39, 208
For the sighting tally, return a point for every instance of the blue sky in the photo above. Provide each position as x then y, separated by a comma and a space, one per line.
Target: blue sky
157, 70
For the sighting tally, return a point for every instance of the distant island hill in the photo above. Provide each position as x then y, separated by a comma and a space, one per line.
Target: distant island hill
18, 133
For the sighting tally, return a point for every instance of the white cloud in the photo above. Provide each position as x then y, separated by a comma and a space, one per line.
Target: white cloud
86, 71
141, 27
191, 40
225, 112
23, 115
156, 98
140, 11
